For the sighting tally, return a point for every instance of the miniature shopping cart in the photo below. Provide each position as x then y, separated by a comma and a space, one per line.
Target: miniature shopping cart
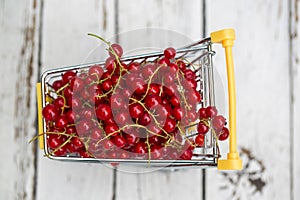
199, 58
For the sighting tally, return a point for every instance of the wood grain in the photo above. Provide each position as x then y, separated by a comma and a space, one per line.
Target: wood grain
18, 52
262, 79
184, 17
140, 24
295, 96
65, 42
267, 66
166, 184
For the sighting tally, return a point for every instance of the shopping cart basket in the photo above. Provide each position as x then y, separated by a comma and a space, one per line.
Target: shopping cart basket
197, 57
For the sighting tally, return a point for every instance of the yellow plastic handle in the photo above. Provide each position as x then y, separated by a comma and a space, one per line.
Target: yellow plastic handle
39, 110
226, 37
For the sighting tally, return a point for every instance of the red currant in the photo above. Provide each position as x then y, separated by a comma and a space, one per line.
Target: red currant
154, 89
170, 125
136, 110
164, 61
107, 85
77, 142
54, 141
144, 119
107, 144
202, 113
187, 154
156, 152
189, 74
57, 85
224, 134
174, 67
67, 76
117, 49
59, 102
97, 134
181, 65
174, 100
194, 97
154, 139
211, 111
95, 72
103, 112
170, 53
148, 70
50, 112
152, 100
202, 128
134, 66
218, 122
61, 122
139, 86
84, 154
76, 84
124, 155
119, 141
71, 130
68, 92
70, 116
122, 119
199, 140
84, 126
109, 65
140, 148
87, 113
177, 113
112, 129
62, 151
131, 138
75, 103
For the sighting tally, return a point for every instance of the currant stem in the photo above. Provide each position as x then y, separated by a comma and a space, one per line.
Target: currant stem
62, 88
149, 149
99, 37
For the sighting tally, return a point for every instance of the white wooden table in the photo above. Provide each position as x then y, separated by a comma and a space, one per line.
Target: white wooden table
39, 35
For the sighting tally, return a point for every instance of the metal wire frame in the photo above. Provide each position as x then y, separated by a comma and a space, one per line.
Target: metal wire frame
202, 157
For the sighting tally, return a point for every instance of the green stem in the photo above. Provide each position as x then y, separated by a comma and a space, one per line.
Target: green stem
101, 38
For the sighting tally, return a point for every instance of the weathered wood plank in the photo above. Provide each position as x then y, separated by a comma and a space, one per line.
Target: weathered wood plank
262, 80
139, 24
295, 96
184, 17
65, 42
18, 52
182, 184
65, 32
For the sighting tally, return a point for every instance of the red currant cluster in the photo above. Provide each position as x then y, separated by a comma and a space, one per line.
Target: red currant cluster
136, 110
209, 118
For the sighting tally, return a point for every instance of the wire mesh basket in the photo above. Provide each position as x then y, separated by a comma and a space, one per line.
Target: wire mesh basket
103, 144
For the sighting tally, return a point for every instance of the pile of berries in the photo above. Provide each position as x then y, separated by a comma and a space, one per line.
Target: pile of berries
136, 110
